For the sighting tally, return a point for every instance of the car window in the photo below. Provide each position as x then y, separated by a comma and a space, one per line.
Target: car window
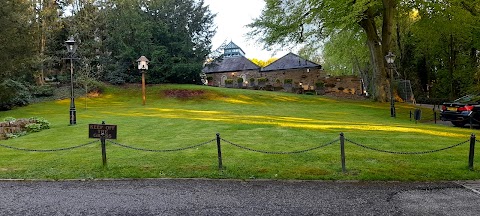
468, 99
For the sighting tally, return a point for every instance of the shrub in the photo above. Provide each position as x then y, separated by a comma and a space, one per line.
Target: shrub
33, 127
42, 91
252, 80
15, 135
44, 124
14, 93
96, 86
288, 81
319, 84
209, 78
262, 79
25, 126
229, 81
239, 80
9, 119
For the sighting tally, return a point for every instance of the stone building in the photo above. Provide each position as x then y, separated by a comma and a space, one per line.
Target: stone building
290, 73
234, 65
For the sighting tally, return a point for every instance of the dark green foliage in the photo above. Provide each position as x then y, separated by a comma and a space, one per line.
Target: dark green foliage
288, 81
320, 84
174, 35
13, 93
262, 79
42, 91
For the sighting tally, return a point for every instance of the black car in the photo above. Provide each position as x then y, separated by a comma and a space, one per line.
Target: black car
462, 110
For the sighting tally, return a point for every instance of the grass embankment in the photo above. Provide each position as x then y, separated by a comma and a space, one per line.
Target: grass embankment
270, 121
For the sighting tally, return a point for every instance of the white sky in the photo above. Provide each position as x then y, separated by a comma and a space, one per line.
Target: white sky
231, 20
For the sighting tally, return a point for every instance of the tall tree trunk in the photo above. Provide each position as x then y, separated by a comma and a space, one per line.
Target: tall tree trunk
376, 56
379, 47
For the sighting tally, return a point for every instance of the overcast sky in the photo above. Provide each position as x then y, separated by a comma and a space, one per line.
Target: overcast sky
232, 16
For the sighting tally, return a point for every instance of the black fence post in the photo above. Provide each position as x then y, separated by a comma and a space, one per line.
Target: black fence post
104, 148
219, 148
471, 153
435, 116
342, 151
410, 115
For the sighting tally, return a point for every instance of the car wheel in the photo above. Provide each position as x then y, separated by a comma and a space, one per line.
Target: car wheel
458, 123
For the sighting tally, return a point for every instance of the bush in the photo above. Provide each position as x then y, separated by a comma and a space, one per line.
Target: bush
252, 80
287, 81
14, 93
26, 126
319, 84
229, 81
33, 127
240, 80
44, 124
262, 79
96, 86
209, 78
42, 91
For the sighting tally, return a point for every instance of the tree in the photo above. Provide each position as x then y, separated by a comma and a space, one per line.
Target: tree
438, 42
175, 35
263, 63
285, 21
16, 40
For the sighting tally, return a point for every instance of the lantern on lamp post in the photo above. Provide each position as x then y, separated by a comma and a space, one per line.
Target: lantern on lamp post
390, 58
143, 67
71, 49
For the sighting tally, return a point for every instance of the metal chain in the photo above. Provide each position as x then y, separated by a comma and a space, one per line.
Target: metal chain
165, 150
405, 153
272, 152
49, 150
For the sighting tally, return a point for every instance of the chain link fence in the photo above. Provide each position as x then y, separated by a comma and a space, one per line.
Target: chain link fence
162, 150
405, 153
218, 140
273, 152
49, 150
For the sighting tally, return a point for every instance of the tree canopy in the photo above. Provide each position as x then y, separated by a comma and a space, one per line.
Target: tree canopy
434, 40
112, 34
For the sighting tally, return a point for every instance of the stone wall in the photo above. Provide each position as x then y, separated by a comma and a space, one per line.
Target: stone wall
345, 84
308, 78
14, 127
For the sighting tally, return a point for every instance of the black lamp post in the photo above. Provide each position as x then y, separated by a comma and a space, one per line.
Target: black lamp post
390, 58
71, 48
143, 67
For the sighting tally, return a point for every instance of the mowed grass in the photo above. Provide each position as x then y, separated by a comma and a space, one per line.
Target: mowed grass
268, 121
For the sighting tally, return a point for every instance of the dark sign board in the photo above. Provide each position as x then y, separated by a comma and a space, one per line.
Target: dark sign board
96, 130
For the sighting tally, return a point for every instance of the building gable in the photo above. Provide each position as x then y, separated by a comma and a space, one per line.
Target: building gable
238, 63
290, 61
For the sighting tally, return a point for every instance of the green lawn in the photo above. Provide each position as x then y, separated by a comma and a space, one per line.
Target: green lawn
269, 121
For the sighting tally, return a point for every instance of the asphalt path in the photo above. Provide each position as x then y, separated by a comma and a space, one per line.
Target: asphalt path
234, 197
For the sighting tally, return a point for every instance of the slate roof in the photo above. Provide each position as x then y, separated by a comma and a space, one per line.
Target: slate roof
239, 63
290, 61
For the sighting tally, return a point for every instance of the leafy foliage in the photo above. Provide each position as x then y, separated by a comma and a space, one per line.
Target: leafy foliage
13, 93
